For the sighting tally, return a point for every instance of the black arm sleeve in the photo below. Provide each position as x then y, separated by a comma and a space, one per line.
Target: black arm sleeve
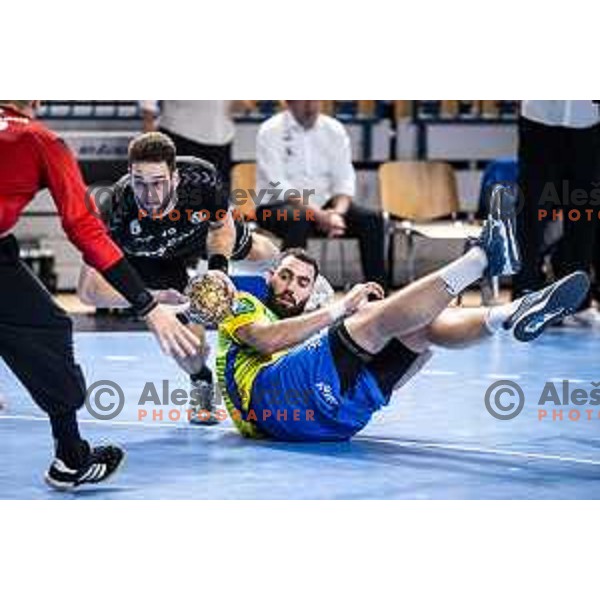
123, 277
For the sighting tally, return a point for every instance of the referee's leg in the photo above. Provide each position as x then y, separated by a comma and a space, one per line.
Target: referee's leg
36, 343
291, 222
368, 226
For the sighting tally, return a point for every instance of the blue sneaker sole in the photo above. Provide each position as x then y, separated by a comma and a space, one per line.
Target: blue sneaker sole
564, 300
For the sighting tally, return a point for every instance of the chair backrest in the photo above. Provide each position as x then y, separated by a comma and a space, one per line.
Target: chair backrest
421, 191
243, 177
403, 109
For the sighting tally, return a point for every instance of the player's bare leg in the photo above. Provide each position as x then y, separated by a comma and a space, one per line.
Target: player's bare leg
373, 327
460, 327
418, 306
415, 307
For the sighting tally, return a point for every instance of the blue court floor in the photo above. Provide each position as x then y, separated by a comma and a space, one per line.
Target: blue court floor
435, 440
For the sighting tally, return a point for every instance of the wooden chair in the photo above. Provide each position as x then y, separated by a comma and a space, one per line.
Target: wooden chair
366, 108
420, 199
243, 177
403, 109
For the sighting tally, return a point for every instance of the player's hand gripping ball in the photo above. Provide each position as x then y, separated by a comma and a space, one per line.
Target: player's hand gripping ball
211, 298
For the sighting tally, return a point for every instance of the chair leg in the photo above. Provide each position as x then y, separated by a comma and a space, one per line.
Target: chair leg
390, 256
324, 254
490, 291
411, 256
495, 289
343, 265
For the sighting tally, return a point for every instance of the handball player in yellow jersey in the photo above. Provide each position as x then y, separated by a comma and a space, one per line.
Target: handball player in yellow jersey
320, 376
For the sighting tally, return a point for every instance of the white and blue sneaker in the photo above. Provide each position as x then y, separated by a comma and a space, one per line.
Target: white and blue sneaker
538, 310
498, 238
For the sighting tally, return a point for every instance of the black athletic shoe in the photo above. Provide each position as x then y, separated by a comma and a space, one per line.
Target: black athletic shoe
540, 309
498, 238
102, 462
203, 404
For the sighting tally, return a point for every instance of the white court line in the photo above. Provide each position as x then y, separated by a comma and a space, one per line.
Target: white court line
400, 443
437, 373
100, 422
477, 450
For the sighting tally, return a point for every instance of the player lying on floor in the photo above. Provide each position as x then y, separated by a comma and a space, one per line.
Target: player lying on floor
165, 215
282, 380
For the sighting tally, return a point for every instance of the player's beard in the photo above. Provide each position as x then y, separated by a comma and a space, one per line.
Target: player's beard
167, 205
283, 311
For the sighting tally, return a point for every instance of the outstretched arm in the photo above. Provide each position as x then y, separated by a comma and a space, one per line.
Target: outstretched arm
221, 237
94, 290
269, 338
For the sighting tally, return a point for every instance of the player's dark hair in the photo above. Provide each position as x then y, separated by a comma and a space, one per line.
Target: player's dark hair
300, 254
153, 147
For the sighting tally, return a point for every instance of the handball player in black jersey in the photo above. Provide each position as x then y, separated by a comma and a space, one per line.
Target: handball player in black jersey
166, 214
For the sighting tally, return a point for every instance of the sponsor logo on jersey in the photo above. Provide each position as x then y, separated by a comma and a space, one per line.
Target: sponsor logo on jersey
243, 306
327, 394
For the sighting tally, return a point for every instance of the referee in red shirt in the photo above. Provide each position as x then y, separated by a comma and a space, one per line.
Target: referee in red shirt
36, 339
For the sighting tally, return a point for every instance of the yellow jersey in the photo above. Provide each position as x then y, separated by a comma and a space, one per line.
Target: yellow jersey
238, 364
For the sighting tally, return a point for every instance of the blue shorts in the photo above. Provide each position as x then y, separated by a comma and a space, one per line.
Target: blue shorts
325, 391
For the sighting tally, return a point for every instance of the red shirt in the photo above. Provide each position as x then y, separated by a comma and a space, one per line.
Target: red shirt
33, 158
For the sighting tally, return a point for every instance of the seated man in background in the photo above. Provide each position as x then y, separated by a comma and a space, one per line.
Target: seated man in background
301, 150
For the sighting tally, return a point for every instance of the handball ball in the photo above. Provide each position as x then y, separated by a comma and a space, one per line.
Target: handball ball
210, 299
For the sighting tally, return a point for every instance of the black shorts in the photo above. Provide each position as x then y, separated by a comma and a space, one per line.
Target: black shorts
388, 366
171, 273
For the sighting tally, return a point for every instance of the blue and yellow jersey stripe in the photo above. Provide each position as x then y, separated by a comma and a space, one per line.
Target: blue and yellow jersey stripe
238, 364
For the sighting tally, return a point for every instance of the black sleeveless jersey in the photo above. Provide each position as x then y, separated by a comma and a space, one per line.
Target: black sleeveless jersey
179, 234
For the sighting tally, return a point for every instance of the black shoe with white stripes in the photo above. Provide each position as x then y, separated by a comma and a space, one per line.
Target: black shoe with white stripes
102, 462
540, 309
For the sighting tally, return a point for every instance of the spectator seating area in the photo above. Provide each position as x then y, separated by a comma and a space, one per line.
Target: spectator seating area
341, 109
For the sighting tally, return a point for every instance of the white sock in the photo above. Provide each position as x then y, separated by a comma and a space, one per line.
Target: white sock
496, 316
461, 273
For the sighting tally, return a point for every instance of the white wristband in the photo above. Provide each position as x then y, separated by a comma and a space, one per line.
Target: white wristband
336, 311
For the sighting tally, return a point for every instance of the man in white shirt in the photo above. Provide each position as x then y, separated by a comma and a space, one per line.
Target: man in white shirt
200, 128
559, 152
304, 161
